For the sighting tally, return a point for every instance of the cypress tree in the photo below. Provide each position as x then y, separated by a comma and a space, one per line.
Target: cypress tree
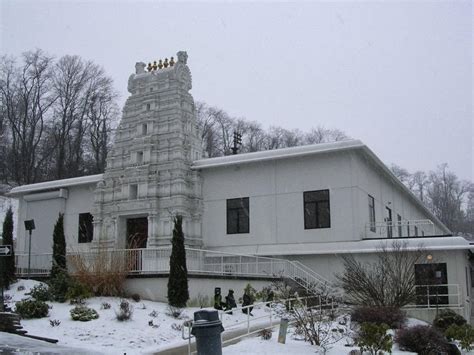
7, 239
59, 247
178, 293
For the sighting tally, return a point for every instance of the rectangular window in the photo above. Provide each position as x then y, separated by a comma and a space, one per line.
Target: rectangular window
238, 215
416, 231
316, 209
139, 157
144, 129
408, 228
431, 284
148, 106
372, 213
399, 220
133, 192
86, 228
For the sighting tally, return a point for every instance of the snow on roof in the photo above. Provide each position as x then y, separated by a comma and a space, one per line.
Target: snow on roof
283, 153
55, 184
355, 247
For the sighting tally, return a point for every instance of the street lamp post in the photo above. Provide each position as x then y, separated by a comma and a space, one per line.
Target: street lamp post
29, 226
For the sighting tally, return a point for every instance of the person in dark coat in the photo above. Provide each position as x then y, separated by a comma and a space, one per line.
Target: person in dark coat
218, 304
247, 301
230, 302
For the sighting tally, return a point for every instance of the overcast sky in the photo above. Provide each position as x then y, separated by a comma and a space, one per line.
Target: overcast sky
395, 74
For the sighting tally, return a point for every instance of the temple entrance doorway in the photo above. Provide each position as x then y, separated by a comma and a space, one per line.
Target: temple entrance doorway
137, 234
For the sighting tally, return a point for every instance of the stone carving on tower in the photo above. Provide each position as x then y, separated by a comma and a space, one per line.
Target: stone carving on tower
148, 179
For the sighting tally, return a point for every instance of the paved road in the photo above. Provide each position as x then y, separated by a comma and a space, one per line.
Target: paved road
11, 344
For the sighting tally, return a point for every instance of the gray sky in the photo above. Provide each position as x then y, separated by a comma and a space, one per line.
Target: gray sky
396, 74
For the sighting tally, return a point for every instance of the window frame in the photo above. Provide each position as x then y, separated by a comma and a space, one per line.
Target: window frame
316, 210
87, 235
244, 207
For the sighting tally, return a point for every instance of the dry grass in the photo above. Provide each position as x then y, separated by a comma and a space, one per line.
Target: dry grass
104, 272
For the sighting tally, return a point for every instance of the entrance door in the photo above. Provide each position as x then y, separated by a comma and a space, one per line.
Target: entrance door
388, 219
137, 234
431, 280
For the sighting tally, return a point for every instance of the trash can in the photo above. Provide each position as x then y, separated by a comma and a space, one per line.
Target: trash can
207, 329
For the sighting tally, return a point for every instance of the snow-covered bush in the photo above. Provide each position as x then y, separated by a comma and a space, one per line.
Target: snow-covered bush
174, 312
54, 322
153, 314
373, 337
265, 334
421, 339
124, 312
78, 292
447, 317
392, 316
28, 309
83, 313
136, 297
105, 305
462, 333
40, 293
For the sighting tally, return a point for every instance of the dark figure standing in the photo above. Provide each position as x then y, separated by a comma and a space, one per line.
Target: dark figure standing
218, 304
230, 302
247, 301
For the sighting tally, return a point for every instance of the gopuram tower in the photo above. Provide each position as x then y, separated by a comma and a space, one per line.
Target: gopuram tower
148, 179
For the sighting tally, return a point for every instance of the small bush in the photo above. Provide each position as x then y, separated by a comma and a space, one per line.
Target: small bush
40, 293
265, 334
83, 314
59, 286
421, 339
54, 322
105, 305
174, 312
136, 297
373, 337
177, 327
393, 317
125, 311
28, 309
20, 288
463, 333
78, 291
153, 314
447, 317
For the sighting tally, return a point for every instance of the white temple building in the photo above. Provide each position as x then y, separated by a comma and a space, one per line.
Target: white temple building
292, 210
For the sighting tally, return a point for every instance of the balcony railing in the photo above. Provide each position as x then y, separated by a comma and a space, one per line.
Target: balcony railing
198, 261
403, 229
437, 296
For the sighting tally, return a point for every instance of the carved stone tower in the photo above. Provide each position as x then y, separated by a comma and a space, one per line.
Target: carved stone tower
148, 179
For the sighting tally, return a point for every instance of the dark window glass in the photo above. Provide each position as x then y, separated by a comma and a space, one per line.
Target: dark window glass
316, 209
399, 219
86, 228
416, 231
238, 215
408, 228
372, 213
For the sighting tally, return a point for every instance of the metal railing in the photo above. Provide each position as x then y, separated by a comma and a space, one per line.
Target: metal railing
437, 296
198, 261
403, 229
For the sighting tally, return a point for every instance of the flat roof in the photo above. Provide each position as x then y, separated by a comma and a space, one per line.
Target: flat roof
54, 185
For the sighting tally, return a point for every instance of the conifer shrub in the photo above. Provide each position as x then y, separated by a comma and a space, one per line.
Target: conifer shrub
28, 309
447, 317
83, 313
421, 339
373, 337
136, 297
8, 267
178, 293
392, 316
59, 286
78, 291
59, 247
40, 293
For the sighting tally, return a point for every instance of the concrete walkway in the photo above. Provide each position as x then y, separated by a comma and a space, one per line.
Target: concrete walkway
228, 334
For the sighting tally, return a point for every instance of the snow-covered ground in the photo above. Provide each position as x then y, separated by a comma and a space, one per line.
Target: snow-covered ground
106, 335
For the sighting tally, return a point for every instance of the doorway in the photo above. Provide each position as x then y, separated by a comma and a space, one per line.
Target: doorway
137, 235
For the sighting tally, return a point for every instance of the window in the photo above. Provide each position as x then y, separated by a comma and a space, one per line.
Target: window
86, 228
316, 209
148, 106
372, 213
431, 284
133, 192
144, 129
422, 233
408, 228
399, 220
139, 157
388, 219
416, 231
238, 215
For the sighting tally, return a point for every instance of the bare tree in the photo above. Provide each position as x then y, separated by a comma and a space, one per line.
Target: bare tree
389, 281
25, 99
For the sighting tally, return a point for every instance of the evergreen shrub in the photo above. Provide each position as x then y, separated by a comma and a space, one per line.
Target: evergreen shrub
28, 309
83, 313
